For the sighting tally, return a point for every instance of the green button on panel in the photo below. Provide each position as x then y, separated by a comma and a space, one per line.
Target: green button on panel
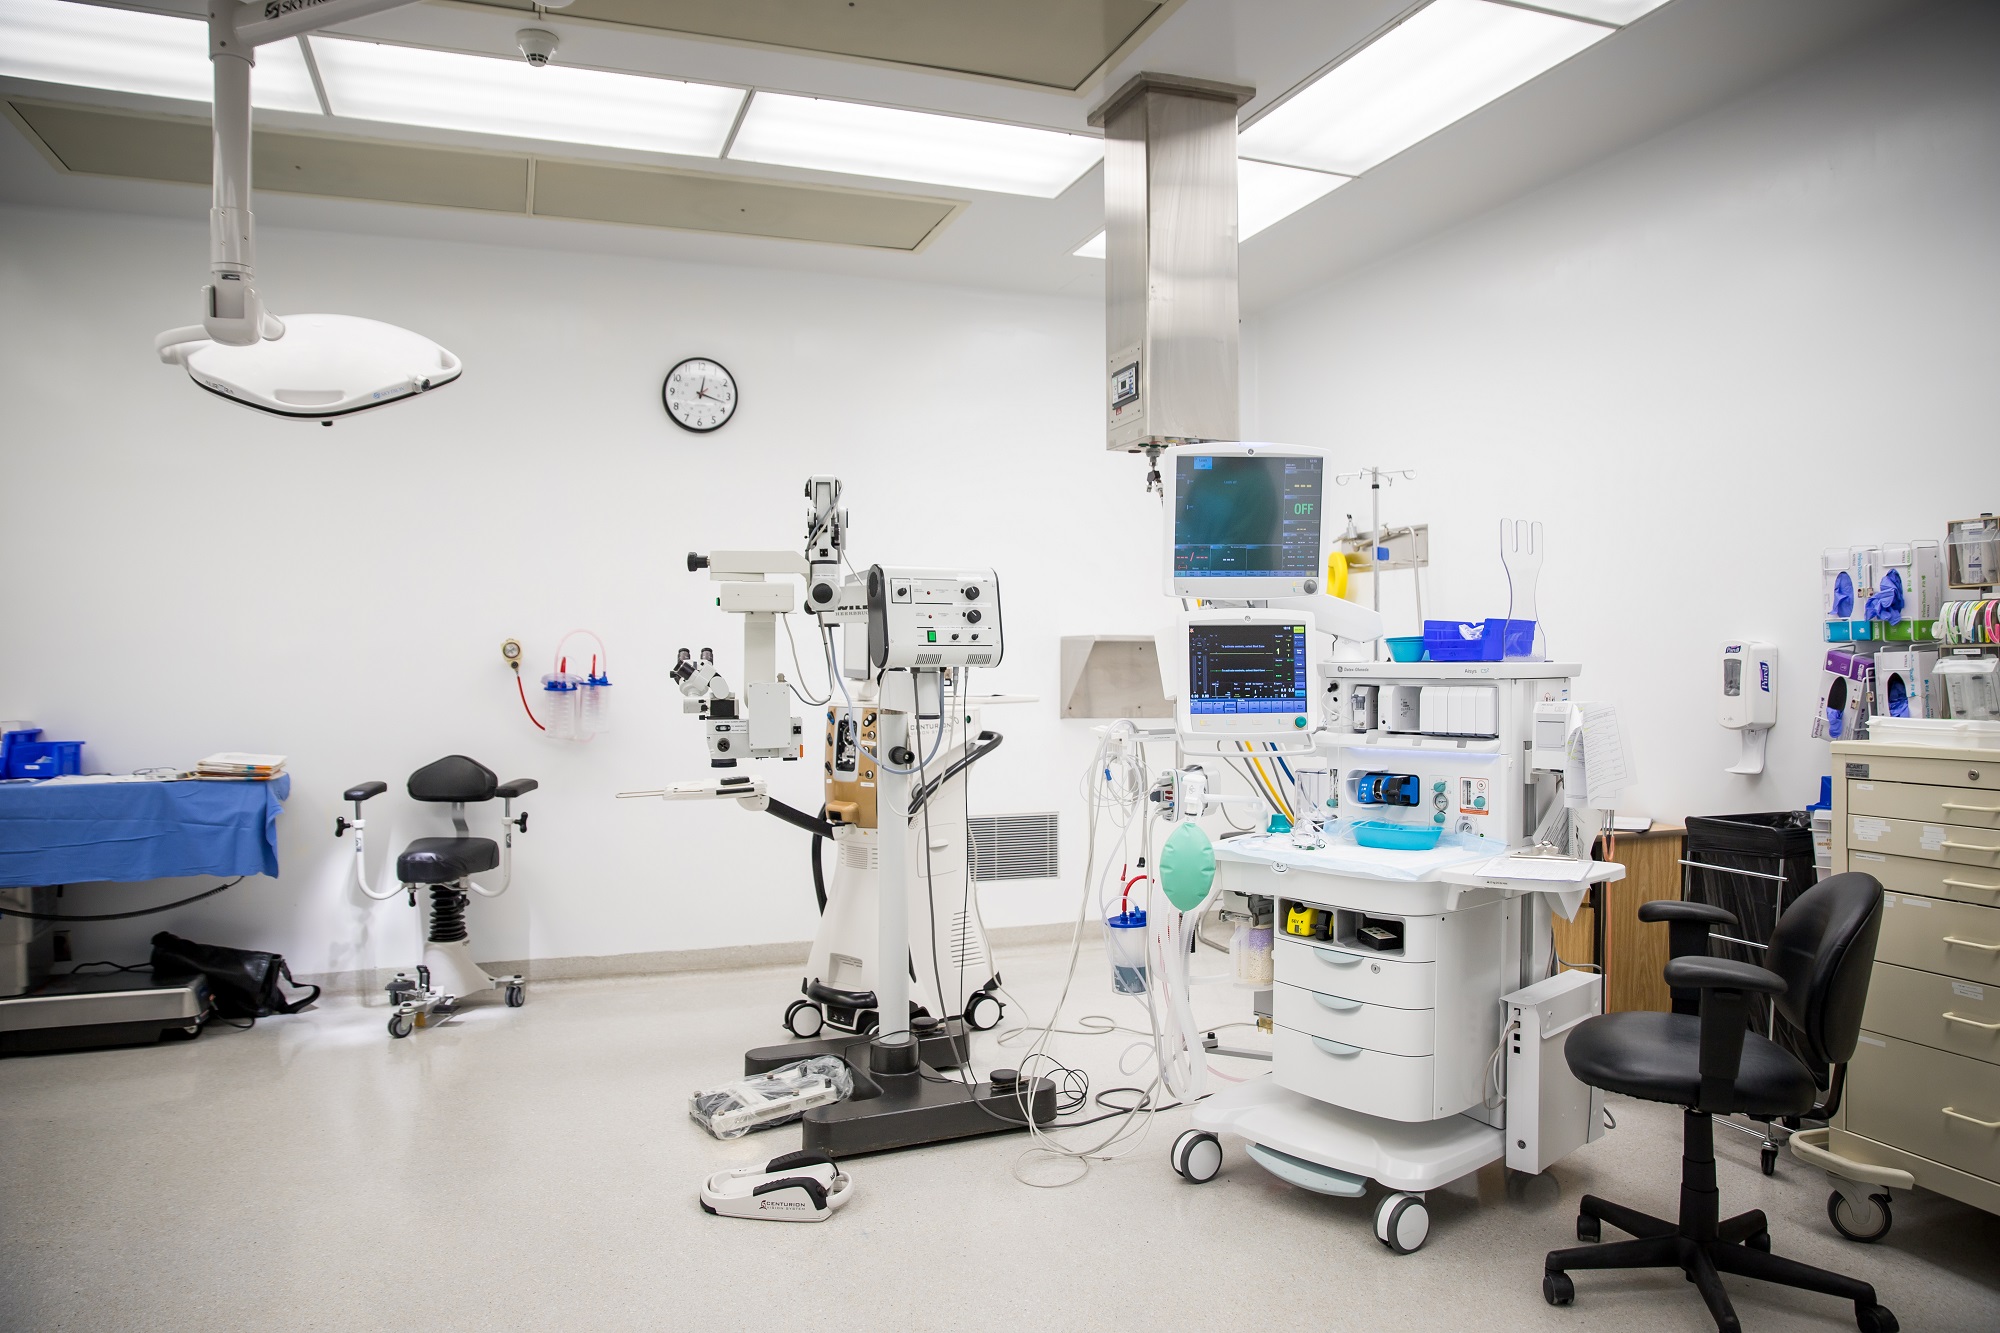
933, 635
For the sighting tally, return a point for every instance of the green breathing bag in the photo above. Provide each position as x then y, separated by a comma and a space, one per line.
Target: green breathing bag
1187, 867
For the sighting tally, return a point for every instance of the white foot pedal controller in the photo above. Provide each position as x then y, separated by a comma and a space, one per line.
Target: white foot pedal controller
798, 1187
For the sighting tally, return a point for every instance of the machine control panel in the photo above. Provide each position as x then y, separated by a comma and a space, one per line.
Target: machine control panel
933, 618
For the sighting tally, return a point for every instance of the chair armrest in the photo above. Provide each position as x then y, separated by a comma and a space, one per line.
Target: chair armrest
361, 791
1674, 910
1723, 974
515, 787
1725, 987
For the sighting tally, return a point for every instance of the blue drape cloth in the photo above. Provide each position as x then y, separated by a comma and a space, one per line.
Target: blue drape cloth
74, 832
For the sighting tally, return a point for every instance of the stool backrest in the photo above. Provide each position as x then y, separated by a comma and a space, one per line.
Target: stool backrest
1824, 948
453, 778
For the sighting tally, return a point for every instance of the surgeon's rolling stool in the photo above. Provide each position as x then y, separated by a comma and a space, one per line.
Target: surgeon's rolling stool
1820, 956
445, 866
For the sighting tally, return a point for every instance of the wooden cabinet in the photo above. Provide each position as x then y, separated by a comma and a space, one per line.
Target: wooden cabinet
1633, 953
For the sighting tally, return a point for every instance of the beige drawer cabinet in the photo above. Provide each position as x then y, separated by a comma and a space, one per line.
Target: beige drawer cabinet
1923, 1088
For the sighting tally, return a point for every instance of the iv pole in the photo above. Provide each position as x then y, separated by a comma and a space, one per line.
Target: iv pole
1377, 479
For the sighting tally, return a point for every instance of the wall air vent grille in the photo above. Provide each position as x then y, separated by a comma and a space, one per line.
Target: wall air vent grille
1013, 846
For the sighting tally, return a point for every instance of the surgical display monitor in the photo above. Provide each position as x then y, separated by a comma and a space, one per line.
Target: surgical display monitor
1248, 678
1245, 522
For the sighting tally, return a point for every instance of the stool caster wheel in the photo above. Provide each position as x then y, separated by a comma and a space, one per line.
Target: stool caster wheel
1589, 1230
983, 1012
804, 1020
1557, 1289
1197, 1156
400, 1025
1402, 1223
1769, 1160
516, 997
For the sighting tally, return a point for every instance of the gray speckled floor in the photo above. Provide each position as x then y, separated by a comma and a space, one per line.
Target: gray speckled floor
535, 1169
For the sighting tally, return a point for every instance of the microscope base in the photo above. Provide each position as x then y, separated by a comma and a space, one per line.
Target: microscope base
888, 1113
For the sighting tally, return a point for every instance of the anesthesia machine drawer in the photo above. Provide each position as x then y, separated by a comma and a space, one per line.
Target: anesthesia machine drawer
1355, 976
1395, 1087
1373, 1027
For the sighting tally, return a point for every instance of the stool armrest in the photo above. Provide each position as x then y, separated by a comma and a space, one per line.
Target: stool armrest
515, 788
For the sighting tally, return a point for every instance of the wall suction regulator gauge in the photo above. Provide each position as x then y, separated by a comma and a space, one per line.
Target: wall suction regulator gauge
700, 395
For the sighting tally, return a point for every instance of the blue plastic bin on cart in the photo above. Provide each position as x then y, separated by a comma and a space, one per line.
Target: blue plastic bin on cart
28, 757
1478, 641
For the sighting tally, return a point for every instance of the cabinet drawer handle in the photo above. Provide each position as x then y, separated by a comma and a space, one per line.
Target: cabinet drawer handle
1955, 1114
1950, 1017
1332, 959
1346, 1052
1968, 846
1976, 809
1972, 884
1340, 1006
1972, 944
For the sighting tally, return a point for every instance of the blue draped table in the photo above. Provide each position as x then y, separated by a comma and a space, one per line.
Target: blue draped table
60, 832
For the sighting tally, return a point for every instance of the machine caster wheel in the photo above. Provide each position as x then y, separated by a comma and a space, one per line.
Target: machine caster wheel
1760, 1241
1875, 1319
1557, 1289
400, 1025
1402, 1223
983, 1012
1768, 1159
516, 997
1864, 1224
1589, 1230
804, 1020
1197, 1156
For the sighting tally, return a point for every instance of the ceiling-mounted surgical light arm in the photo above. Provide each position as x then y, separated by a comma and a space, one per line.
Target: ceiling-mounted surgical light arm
232, 313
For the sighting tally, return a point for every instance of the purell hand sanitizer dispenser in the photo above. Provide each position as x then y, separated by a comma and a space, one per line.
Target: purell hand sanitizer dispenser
1749, 701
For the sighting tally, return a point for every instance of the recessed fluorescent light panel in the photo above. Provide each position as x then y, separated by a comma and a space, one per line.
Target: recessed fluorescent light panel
1443, 63
1619, 12
125, 51
822, 135
445, 90
1265, 194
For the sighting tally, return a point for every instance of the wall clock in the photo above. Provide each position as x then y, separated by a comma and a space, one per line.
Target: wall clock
700, 395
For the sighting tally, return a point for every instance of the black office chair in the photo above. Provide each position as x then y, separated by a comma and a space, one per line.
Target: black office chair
1820, 956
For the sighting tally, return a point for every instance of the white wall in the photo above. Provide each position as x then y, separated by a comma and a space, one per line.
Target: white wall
1769, 331
185, 576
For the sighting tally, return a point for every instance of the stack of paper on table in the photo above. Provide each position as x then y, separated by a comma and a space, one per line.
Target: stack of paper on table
232, 764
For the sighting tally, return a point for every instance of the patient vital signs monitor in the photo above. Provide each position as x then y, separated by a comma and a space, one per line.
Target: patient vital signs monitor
1244, 521
1249, 676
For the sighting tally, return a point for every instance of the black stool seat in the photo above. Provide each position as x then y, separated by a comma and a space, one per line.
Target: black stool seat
1657, 1058
442, 860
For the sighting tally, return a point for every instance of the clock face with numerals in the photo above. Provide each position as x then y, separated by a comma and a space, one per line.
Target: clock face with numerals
700, 395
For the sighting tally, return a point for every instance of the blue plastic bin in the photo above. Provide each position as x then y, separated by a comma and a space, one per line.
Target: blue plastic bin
1478, 641
1398, 837
44, 759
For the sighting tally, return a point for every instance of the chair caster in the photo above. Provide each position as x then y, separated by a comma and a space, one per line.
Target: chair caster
1869, 1222
1760, 1241
1768, 1159
517, 996
1589, 1230
983, 1012
401, 1025
803, 1019
1875, 1319
1197, 1156
1402, 1223
1557, 1289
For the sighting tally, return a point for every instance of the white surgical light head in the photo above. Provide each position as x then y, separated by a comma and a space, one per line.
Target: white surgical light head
311, 366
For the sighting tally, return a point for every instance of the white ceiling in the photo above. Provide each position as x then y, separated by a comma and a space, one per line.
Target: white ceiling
1681, 60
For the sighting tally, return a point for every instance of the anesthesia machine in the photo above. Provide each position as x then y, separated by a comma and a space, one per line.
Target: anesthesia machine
901, 732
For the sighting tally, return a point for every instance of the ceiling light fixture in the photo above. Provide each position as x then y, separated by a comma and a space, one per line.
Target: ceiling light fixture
126, 51
1441, 64
855, 138
410, 85
1620, 12
1265, 195
316, 366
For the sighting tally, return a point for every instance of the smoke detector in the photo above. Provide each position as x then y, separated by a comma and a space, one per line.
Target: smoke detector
537, 44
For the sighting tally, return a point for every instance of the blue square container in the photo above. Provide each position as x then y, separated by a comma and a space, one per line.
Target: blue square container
44, 759
1478, 641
